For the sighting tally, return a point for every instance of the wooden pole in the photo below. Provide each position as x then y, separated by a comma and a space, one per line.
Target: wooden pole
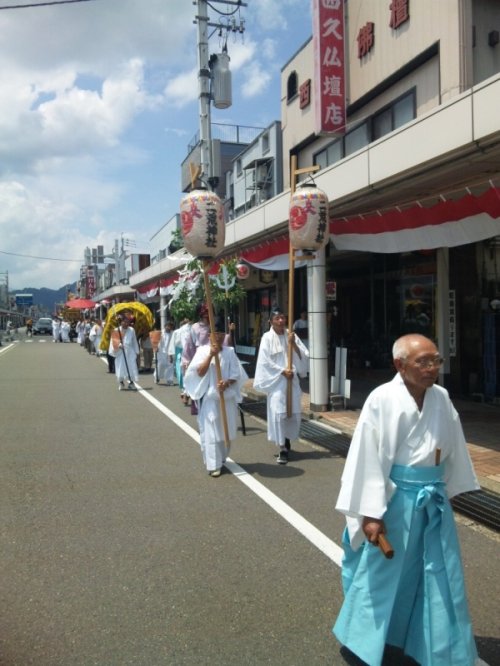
291, 295
294, 172
206, 265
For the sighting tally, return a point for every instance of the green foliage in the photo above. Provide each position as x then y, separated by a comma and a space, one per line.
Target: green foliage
186, 301
235, 294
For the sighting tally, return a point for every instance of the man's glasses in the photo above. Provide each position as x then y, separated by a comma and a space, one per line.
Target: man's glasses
434, 362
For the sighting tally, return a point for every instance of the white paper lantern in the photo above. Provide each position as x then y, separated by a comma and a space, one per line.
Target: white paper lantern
242, 271
202, 224
308, 218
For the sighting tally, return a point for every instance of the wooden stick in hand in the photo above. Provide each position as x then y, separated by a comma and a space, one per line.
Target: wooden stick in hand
385, 546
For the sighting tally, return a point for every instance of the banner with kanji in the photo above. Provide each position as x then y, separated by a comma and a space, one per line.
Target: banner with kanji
329, 66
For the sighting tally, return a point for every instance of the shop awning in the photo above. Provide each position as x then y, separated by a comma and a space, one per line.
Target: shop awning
448, 223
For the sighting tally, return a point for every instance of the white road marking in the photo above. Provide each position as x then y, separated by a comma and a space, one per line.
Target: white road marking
307, 529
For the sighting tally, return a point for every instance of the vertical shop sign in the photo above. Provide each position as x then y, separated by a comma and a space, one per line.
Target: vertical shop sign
90, 282
329, 66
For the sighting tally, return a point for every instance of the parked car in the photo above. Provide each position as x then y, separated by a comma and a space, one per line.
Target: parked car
42, 325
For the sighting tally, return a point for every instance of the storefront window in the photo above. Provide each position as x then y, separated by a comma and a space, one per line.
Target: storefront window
417, 304
259, 303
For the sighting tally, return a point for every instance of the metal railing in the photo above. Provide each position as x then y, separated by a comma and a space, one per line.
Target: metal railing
229, 134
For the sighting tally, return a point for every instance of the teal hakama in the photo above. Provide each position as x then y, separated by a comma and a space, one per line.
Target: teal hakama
178, 367
416, 601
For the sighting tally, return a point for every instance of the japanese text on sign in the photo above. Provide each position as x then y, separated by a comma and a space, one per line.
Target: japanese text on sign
329, 74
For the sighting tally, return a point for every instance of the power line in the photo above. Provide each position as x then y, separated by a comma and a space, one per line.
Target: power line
31, 256
44, 4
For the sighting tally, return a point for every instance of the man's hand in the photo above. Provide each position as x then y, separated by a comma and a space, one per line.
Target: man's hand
215, 348
373, 527
287, 373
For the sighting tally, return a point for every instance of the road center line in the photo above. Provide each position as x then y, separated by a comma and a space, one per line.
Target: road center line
307, 529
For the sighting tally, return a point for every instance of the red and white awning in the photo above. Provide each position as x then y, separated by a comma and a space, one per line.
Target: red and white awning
447, 224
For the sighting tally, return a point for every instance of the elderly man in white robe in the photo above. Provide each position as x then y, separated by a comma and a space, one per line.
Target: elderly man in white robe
165, 356
407, 457
124, 347
203, 386
272, 376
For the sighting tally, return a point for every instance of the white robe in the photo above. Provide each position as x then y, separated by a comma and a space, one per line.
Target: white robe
204, 390
391, 430
65, 329
126, 357
56, 330
95, 337
164, 358
271, 361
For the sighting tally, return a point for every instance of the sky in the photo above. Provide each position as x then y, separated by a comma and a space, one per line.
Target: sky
98, 103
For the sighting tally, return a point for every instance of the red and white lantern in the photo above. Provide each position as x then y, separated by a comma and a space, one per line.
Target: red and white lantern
202, 224
242, 271
308, 218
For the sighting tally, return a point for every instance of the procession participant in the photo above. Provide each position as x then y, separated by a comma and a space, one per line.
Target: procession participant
65, 329
56, 329
272, 377
180, 335
301, 327
165, 356
95, 336
80, 332
86, 340
395, 484
125, 349
199, 335
147, 353
201, 383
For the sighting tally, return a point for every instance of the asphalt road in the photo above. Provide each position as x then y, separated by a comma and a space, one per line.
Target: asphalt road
117, 548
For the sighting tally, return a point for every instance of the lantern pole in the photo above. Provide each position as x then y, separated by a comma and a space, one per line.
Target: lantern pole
206, 266
195, 171
294, 172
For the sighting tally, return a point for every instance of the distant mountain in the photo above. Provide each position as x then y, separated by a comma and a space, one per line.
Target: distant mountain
47, 299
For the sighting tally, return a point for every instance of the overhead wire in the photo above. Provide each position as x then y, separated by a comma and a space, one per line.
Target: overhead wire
47, 3
32, 256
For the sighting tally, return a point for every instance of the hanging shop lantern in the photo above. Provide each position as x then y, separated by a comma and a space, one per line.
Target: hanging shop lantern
308, 218
242, 271
202, 224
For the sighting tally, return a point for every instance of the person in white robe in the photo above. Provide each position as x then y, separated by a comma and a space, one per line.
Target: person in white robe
272, 377
80, 332
95, 337
164, 368
396, 484
56, 329
180, 337
201, 383
123, 346
65, 329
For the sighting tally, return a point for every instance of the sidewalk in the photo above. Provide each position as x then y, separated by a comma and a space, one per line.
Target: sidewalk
481, 424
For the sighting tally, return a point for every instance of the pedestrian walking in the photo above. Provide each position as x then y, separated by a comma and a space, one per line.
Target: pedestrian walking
407, 458
272, 377
124, 348
165, 356
203, 386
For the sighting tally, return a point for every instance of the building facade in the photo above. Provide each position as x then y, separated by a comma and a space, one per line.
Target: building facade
413, 181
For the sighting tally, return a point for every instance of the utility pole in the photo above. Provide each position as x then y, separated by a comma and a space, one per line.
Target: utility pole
226, 23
